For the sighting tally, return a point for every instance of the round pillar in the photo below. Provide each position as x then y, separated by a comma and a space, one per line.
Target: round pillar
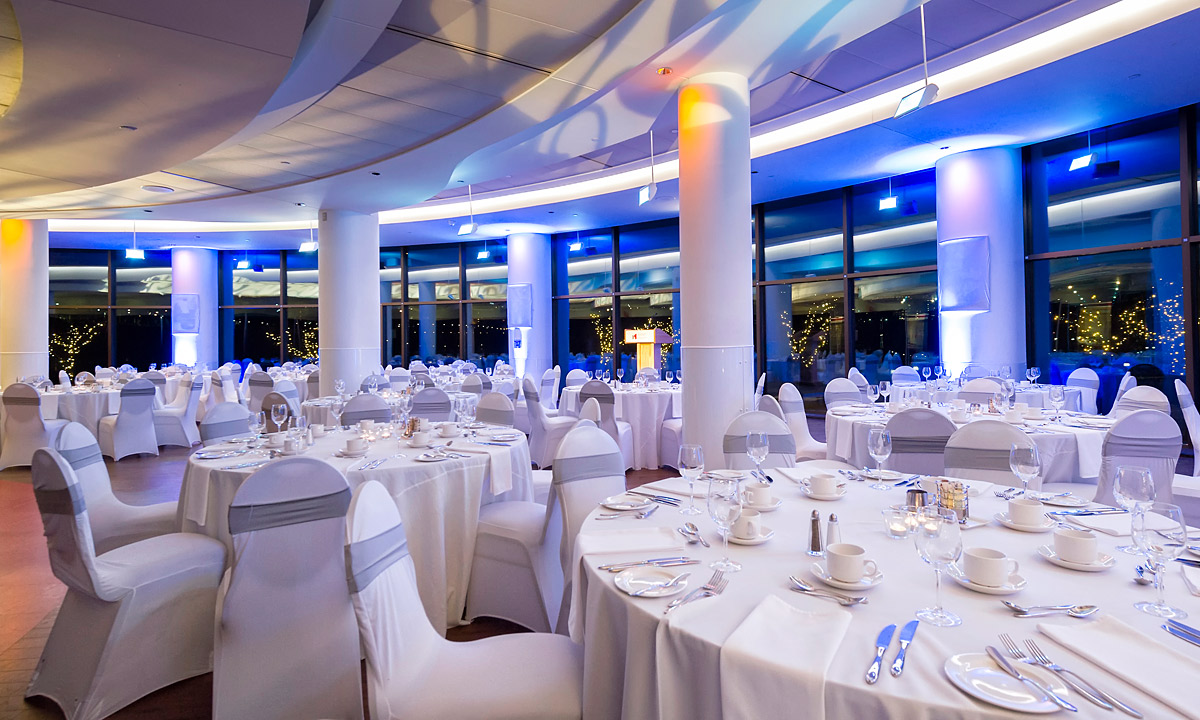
529, 313
194, 325
715, 279
348, 313
24, 299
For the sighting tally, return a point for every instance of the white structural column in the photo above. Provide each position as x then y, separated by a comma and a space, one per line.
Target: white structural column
529, 265
715, 279
348, 313
981, 259
194, 329
24, 299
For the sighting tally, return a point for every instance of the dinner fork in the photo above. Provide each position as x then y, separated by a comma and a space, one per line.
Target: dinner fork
715, 585
803, 587
1108, 700
1014, 650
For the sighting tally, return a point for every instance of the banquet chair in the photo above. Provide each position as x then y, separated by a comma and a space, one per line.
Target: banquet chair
85, 378
24, 428
131, 431
507, 388
919, 437
974, 371
472, 384
794, 414
979, 451
1128, 382
841, 391
549, 389
291, 393
860, 381
270, 400
758, 390
523, 550
213, 395
398, 377
176, 423
260, 384
251, 369
1191, 418
289, 366
431, 403
412, 671
226, 420
229, 388
576, 377
1146, 438
423, 377
380, 382
979, 390
484, 380
650, 373
590, 411
417, 366
366, 407
1141, 397
313, 383
113, 523
769, 404
545, 431
620, 431
103, 373
781, 446
274, 372
286, 642
64, 379
905, 375
160, 387
134, 619
1088, 383
495, 408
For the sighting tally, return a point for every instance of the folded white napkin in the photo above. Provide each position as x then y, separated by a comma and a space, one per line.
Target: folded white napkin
678, 486
774, 664
1117, 525
1191, 579
1142, 661
794, 474
1089, 445
501, 466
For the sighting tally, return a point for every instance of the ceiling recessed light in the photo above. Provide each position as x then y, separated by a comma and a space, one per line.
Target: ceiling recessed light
374, 173
944, 147
158, 189
300, 204
128, 127
285, 162
147, 211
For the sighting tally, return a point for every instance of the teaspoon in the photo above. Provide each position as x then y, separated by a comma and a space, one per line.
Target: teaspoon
691, 526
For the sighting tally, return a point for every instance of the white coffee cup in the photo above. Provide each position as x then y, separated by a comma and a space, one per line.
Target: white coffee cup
959, 415
448, 430
1034, 414
419, 439
822, 484
848, 563
317, 430
275, 439
748, 526
1076, 546
960, 404
355, 444
1021, 407
758, 493
1026, 511
366, 425
289, 445
984, 566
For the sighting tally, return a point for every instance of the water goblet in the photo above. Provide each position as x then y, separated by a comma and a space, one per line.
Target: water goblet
679, 375
1037, 372
873, 394
1058, 398
670, 376
879, 445
938, 538
607, 376
691, 467
620, 374
335, 409
339, 387
258, 421
757, 448
279, 413
926, 372
1160, 532
885, 389
725, 507
1133, 488
589, 374
1026, 464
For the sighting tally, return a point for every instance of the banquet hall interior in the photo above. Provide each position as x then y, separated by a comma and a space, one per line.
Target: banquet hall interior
613, 359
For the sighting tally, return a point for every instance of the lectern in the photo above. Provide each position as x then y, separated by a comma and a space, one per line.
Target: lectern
648, 342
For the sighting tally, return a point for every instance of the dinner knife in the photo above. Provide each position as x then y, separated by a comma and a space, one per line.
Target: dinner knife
906, 636
881, 645
1189, 562
1181, 635
1185, 628
1007, 667
1082, 513
636, 563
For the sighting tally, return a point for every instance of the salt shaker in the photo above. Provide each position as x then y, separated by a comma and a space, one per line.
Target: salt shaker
833, 531
815, 548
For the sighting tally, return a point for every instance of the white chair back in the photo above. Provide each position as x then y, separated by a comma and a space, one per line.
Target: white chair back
906, 375
980, 450
288, 389
85, 378
919, 437
64, 379
979, 390
380, 382
313, 381
588, 467
472, 384
758, 390
484, 380
495, 408
604, 396
366, 407
160, 385
769, 404
781, 445
399, 377
431, 403
1128, 382
576, 377
791, 402
1087, 382
225, 420
549, 388
1141, 397
1191, 418
590, 411
22, 414
68, 531
860, 381
137, 406
973, 371
417, 366
508, 388
841, 391
1145, 438
260, 384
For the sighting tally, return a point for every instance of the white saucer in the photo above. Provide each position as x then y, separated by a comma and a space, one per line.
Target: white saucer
729, 474
412, 444
868, 581
639, 578
504, 436
1066, 501
884, 475
821, 496
977, 675
346, 453
1103, 561
626, 502
1015, 583
430, 457
1004, 520
771, 507
764, 535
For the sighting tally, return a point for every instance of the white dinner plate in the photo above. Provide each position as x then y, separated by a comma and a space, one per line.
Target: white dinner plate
344, 453
848, 411
884, 475
978, 676
1015, 583
504, 436
1103, 561
1065, 501
769, 507
640, 578
626, 502
1094, 423
764, 535
1007, 522
430, 457
841, 493
869, 581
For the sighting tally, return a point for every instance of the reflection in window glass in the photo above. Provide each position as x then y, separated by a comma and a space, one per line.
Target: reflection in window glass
78, 278
393, 335
895, 323
256, 335
589, 263
301, 278
487, 332
650, 256
804, 236
143, 282
433, 333
589, 332
804, 337
143, 336
389, 274
487, 269
256, 279
78, 340
433, 273
895, 222
302, 335
658, 311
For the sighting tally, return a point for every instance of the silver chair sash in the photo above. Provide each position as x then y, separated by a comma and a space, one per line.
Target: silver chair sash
776, 444
977, 459
128, 391
587, 467
80, 457
1186, 401
843, 396
1167, 448
249, 518
1126, 403
533, 395
791, 407
929, 444
262, 383
367, 559
8, 400
161, 381
225, 428
67, 501
602, 398
431, 406
494, 416
1083, 382
378, 415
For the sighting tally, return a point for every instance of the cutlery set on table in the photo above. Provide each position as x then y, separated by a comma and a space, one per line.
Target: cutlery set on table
883, 642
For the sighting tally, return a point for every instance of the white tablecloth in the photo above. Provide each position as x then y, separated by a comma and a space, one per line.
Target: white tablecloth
439, 503
85, 408
1033, 396
644, 410
636, 665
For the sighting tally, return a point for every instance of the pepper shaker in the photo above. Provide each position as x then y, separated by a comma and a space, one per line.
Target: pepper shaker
815, 548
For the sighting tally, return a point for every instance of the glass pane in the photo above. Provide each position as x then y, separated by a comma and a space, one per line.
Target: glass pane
1111, 186
805, 326
78, 341
487, 270
1116, 313
895, 323
589, 332
143, 336
393, 335
143, 282
433, 273
895, 222
256, 335
302, 337
256, 279
588, 258
643, 312
433, 332
487, 332
650, 256
301, 278
78, 278
389, 274
804, 236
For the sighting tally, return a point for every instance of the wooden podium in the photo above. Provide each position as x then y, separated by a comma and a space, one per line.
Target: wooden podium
648, 344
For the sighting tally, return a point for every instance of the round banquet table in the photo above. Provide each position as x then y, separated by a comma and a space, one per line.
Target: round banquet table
639, 663
1069, 454
85, 408
644, 410
317, 411
438, 501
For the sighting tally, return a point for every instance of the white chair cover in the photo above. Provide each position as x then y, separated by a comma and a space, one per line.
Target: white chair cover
134, 619
1191, 418
423, 377
576, 377
291, 393
545, 432
85, 378
289, 366
398, 377
919, 437
214, 395
758, 390
64, 379
131, 430
176, 424
781, 446
412, 671
1145, 438
1128, 382
251, 369
979, 390
270, 400
973, 371
549, 388
906, 375
313, 383
103, 373
160, 387
621, 432
792, 404
286, 641
980, 450
495, 408
1088, 383
472, 384
484, 380
381, 382
590, 411
1141, 397
417, 366
260, 384
768, 404
226, 420
24, 428
860, 381
366, 407
841, 391
431, 403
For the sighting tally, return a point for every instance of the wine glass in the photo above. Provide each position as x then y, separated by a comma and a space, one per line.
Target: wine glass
926, 372
879, 444
335, 409
1005, 372
404, 402
258, 421
589, 374
938, 539
724, 507
1161, 534
679, 375
873, 395
1036, 372
1029, 374
885, 389
1134, 488
757, 448
339, 387
691, 467
620, 374
279, 413
1026, 463
1000, 401
1058, 398
670, 376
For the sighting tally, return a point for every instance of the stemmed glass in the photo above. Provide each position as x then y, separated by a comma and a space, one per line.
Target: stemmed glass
873, 396
679, 375
1160, 532
620, 374
670, 377
1058, 398
258, 422
607, 377
691, 467
926, 372
1133, 489
879, 444
589, 374
757, 448
1026, 463
1035, 373
339, 387
939, 541
279, 413
335, 409
404, 402
725, 507
885, 389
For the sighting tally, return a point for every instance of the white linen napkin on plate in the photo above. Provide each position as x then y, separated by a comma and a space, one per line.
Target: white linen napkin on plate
774, 664
1117, 524
678, 486
654, 540
1142, 661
